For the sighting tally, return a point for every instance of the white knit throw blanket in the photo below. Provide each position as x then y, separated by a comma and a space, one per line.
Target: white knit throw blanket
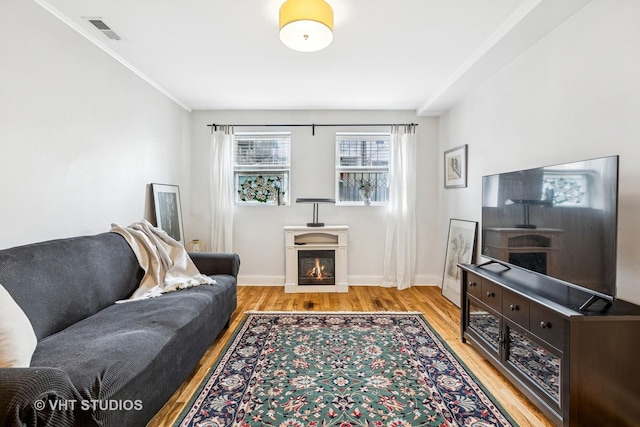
165, 262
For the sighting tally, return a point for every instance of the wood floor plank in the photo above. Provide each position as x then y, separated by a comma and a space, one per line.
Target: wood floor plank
441, 314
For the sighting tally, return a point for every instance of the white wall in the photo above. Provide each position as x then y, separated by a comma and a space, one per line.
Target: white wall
81, 136
258, 231
575, 95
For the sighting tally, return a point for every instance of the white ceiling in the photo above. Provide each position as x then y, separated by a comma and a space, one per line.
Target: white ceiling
405, 54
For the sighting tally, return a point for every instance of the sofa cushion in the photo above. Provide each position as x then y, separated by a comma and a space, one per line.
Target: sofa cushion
59, 282
140, 349
17, 339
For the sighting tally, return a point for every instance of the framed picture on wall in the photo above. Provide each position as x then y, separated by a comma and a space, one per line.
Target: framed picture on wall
168, 212
461, 244
455, 167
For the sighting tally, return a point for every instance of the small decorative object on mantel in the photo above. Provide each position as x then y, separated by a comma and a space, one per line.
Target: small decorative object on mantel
455, 167
166, 203
461, 245
196, 246
315, 202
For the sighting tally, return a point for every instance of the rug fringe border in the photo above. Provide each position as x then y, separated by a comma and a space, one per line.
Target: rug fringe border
330, 312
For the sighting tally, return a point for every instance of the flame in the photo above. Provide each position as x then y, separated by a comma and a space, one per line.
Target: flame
317, 271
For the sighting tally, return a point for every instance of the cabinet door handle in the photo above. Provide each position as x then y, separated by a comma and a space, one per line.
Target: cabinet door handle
491, 294
472, 284
514, 307
545, 325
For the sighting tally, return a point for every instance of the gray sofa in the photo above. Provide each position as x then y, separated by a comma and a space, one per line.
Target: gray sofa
98, 363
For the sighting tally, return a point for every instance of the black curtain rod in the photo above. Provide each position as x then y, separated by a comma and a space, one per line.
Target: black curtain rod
314, 125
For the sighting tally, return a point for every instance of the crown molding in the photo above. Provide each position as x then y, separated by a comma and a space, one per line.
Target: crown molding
530, 23
82, 31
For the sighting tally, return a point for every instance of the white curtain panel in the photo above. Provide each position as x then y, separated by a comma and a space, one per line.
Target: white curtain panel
400, 246
221, 185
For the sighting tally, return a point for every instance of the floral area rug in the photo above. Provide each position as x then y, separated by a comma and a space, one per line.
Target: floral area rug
315, 369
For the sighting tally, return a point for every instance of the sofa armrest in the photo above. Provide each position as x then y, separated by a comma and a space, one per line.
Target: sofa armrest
216, 263
40, 397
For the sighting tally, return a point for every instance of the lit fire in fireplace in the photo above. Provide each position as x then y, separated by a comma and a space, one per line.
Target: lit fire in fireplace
317, 271
316, 267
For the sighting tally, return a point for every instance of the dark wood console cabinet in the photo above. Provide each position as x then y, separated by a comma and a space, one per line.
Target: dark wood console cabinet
581, 368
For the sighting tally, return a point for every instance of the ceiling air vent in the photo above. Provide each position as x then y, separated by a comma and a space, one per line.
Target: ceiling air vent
104, 28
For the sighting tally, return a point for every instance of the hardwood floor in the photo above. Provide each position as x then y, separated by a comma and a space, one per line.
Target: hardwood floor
443, 316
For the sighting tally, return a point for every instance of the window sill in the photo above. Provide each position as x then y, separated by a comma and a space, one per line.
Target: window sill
270, 204
361, 204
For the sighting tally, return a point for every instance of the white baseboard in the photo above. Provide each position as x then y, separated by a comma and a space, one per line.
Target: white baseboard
428, 280
245, 280
420, 280
356, 280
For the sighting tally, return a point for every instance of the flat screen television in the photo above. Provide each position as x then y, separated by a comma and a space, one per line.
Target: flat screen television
559, 221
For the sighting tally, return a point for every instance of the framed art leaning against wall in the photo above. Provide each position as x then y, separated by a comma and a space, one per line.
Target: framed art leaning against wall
461, 245
166, 203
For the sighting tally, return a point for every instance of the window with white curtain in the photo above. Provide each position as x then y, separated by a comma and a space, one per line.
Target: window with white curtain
362, 168
262, 163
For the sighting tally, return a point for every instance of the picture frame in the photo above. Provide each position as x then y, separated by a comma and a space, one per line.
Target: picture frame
461, 248
455, 167
168, 211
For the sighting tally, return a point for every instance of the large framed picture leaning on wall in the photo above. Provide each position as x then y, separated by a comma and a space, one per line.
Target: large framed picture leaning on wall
461, 244
166, 203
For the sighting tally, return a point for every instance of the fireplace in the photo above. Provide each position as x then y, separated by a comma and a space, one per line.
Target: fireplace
317, 267
536, 249
316, 259
535, 261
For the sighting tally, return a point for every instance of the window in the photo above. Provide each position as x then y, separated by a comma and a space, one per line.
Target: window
565, 189
362, 168
261, 163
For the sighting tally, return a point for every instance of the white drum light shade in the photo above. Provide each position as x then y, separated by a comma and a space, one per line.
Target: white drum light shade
306, 25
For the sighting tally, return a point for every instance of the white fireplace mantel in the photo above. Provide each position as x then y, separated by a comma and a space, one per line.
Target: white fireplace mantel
330, 237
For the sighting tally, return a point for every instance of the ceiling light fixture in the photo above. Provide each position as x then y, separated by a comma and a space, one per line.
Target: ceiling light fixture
306, 25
